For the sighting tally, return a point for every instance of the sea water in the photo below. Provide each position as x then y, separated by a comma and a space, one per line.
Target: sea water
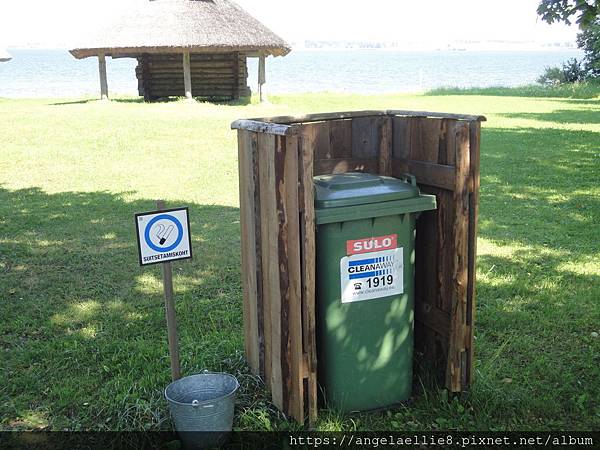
55, 73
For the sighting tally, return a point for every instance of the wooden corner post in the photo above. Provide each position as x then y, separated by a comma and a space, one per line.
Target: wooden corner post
103, 78
307, 149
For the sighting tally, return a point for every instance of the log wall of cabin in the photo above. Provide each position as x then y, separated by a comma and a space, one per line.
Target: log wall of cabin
222, 76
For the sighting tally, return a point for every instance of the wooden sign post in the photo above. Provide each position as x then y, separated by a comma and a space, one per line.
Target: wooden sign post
164, 236
167, 271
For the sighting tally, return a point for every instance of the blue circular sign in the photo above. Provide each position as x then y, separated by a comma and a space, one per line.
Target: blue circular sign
155, 247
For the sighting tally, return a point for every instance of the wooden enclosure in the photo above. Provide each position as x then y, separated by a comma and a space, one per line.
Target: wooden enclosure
213, 75
278, 158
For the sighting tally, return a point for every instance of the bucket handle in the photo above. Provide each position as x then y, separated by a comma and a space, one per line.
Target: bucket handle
196, 403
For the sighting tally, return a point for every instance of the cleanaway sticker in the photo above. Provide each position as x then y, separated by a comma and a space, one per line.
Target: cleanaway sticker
367, 276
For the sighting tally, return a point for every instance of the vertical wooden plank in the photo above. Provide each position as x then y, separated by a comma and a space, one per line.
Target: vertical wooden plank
385, 147
322, 139
448, 143
475, 149
456, 342
365, 137
260, 310
426, 282
433, 281
250, 243
307, 228
270, 272
290, 271
425, 139
401, 137
278, 333
281, 384
426, 254
445, 249
340, 136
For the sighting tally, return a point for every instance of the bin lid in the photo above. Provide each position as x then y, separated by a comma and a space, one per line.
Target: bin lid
353, 188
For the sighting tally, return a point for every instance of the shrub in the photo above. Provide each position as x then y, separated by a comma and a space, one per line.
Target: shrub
572, 71
552, 76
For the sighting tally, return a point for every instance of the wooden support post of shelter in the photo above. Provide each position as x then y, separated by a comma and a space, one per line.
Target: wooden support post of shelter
187, 75
103, 79
262, 77
278, 158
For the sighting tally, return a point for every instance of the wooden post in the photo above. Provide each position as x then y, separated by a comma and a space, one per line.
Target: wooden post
251, 247
167, 271
103, 80
307, 147
262, 78
187, 75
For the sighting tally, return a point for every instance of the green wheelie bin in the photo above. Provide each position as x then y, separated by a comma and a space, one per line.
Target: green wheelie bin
365, 288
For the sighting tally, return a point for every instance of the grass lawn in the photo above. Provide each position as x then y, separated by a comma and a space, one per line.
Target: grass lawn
82, 337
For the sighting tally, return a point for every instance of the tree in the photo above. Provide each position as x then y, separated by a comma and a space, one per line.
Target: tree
586, 12
587, 15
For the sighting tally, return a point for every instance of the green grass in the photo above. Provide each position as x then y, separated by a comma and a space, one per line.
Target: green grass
82, 337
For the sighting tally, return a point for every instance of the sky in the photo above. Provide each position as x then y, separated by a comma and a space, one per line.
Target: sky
57, 23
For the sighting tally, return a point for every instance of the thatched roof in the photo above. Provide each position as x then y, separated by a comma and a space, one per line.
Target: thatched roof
4, 55
171, 26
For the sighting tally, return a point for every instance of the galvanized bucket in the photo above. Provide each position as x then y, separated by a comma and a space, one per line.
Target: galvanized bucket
202, 407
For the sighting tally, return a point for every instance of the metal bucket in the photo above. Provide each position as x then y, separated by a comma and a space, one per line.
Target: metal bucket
202, 408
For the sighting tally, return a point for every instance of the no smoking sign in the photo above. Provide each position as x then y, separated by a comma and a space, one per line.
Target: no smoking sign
163, 236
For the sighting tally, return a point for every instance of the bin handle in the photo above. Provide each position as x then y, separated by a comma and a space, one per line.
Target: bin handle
409, 178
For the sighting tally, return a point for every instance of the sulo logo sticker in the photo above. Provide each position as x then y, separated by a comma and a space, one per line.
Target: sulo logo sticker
372, 244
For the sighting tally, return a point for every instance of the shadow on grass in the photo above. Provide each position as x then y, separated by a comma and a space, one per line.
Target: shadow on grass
586, 116
538, 276
83, 332
536, 188
96, 100
237, 102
